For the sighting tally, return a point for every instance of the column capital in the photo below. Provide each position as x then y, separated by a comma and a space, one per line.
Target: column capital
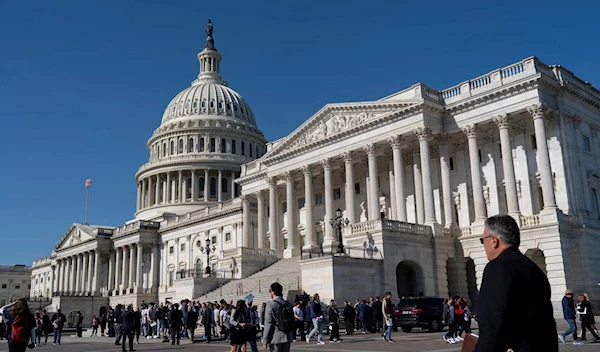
422, 133
245, 198
259, 195
287, 176
502, 121
347, 156
271, 181
326, 163
537, 111
306, 170
395, 141
595, 129
470, 130
573, 118
370, 149
443, 138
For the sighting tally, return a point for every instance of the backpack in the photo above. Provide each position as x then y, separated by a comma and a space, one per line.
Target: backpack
20, 329
286, 321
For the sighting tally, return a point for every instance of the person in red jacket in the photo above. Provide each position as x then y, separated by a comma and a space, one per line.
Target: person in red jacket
459, 318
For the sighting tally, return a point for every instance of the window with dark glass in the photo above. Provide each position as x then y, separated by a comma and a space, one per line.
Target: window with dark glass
190, 147
201, 187
318, 198
180, 146
243, 149
337, 193
223, 145
250, 149
301, 202
201, 145
212, 145
172, 148
233, 151
213, 187
164, 149
224, 184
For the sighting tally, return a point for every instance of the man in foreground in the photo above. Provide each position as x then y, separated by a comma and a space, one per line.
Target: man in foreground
277, 335
514, 308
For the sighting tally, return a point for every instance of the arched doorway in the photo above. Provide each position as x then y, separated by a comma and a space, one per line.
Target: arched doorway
537, 256
453, 278
472, 282
409, 279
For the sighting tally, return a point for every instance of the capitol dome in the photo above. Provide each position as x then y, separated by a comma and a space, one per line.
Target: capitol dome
207, 132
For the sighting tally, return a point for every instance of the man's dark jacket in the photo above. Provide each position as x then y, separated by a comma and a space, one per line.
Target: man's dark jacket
514, 308
568, 308
127, 320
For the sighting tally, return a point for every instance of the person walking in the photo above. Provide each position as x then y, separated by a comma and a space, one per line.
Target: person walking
299, 319
348, 313
22, 327
334, 318
274, 338
94, 325
58, 323
448, 319
127, 326
569, 315
506, 320
316, 314
583, 310
387, 309
192, 323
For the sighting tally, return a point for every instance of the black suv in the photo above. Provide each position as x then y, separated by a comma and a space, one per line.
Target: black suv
422, 312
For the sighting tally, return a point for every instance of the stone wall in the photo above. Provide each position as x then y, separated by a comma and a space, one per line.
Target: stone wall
69, 305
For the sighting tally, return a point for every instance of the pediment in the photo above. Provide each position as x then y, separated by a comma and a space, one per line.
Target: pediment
74, 236
336, 120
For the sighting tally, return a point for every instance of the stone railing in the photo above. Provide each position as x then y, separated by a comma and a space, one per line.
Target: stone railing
529, 221
465, 231
134, 226
42, 261
193, 157
246, 251
201, 214
388, 225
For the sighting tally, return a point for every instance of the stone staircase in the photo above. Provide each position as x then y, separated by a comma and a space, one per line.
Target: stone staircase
285, 271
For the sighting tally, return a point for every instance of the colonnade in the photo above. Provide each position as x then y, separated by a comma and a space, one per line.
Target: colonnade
78, 274
125, 269
424, 198
186, 186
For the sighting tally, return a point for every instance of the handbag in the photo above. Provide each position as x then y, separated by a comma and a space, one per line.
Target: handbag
469, 343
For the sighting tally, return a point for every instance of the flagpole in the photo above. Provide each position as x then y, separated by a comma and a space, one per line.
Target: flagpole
87, 198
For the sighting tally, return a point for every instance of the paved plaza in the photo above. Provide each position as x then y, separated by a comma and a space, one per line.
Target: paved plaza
417, 341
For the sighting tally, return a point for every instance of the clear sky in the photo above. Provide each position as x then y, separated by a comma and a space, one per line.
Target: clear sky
83, 84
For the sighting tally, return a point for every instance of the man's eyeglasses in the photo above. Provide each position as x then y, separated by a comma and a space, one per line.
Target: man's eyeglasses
482, 239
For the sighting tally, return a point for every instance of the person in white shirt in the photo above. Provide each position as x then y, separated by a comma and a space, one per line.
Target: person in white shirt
145, 321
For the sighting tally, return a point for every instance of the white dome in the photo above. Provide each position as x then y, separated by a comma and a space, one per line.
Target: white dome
208, 98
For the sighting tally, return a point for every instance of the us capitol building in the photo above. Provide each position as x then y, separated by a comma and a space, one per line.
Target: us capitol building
406, 182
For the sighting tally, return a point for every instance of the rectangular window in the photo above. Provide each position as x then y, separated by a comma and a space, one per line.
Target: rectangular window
171, 250
228, 237
182, 246
587, 146
337, 193
171, 277
301, 202
451, 162
213, 240
284, 208
357, 188
318, 198
3, 285
533, 142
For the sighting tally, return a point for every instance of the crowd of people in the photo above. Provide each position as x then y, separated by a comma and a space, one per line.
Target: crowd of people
458, 317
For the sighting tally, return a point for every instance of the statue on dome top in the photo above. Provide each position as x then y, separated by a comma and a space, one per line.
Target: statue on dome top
210, 42
209, 28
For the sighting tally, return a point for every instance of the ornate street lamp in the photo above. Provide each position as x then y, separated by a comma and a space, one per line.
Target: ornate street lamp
208, 249
337, 224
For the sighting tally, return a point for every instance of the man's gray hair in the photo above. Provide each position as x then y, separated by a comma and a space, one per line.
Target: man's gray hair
505, 228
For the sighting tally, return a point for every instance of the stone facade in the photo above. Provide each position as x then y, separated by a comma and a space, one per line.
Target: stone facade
14, 283
414, 176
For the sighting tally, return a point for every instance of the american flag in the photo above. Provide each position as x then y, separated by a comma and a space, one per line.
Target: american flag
88, 183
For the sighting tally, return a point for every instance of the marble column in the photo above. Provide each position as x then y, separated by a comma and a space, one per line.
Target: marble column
139, 195
96, 279
260, 198
168, 189
273, 213
63, 276
443, 139
206, 183
423, 134
232, 187
537, 112
111, 271
478, 200
510, 183
181, 187
151, 191
131, 276
310, 244
291, 250
79, 274
219, 186
329, 240
373, 207
138, 270
71, 275
87, 275
392, 212
55, 277
154, 268
418, 180
396, 144
124, 267
349, 167
165, 266
194, 186
246, 226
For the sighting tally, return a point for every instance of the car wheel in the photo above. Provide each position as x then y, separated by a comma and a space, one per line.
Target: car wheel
435, 325
406, 329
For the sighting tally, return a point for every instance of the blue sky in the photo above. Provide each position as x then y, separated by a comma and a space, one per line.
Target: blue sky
83, 84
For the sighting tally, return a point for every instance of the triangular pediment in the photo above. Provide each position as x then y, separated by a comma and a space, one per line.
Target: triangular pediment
77, 233
337, 119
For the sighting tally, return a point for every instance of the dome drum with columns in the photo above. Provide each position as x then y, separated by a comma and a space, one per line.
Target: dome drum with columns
207, 131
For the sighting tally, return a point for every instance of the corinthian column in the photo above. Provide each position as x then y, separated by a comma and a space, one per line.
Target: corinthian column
79, 274
310, 245
478, 200
90, 273
273, 213
329, 240
124, 267
96, 280
131, 269
246, 221
374, 213
194, 186
291, 249
138, 270
418, 180
510, 183
443, 139
260, 198
423, 134
111, 271
396, 144
348, 163
537, 113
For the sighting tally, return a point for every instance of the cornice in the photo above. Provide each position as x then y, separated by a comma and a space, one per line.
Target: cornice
220, 215
205, 125
193, 163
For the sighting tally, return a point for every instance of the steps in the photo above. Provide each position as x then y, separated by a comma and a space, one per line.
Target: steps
285, 271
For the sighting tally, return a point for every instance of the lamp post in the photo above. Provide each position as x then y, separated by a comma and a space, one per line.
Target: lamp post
337, 224
208, 249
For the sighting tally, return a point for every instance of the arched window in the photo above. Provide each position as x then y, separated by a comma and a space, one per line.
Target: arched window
164, 149
212, 145
223, 145
224, 184
201, 188
172, 150
190, 147
250, 149
198, 267
243, 149
180, 146
158, 150
201, 145
233, 151
213, 187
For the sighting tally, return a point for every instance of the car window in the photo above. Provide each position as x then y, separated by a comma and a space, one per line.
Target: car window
405, 302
